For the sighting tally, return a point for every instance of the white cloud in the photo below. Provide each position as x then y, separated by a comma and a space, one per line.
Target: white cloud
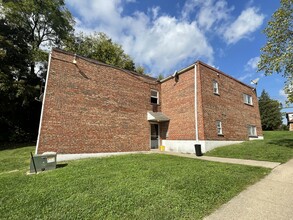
245, 76
252, 63
283, 95
155, 11
209, 13
250, 69
247, 22
160, 42
104, 11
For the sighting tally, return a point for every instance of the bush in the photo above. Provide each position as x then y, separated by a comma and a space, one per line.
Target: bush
284, 128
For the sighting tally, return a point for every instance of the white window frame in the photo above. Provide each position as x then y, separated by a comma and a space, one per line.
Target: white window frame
247, 99
215, 87
219, 127
156, 97
252, 131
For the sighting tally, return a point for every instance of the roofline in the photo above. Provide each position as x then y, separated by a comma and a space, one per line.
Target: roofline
225, 74
104, 64
178, 72
198, 62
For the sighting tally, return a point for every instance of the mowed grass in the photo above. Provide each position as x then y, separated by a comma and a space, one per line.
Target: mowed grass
139, 186
277, 146
15, 159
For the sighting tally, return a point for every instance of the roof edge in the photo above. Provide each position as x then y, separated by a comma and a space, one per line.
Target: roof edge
178, 73
198, 62
104, 64
221, 72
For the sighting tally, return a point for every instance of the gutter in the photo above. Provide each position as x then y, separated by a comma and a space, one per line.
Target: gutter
195, 103
43, 103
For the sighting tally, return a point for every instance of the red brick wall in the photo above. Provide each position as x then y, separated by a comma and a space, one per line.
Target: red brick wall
178, 105
227, 107
94, 108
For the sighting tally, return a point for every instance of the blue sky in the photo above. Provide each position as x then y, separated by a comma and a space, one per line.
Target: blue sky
168, 35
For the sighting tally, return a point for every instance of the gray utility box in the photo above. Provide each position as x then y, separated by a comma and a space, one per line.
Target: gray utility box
42, 162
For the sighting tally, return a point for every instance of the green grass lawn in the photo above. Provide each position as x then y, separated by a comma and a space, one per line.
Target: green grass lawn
140, 186
15, 159
277, 146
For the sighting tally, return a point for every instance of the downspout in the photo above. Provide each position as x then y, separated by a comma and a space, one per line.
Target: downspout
43, 102
195, 103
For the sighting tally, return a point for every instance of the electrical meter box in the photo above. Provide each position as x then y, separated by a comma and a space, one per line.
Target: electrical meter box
43, 162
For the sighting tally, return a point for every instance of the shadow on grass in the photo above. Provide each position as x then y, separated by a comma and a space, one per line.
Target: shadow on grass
61, 165
283, 142
6, 146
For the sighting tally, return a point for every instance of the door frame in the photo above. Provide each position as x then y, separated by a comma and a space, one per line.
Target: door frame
150, 134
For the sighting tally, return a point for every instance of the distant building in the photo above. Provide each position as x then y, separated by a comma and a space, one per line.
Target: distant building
289, 117
92, 107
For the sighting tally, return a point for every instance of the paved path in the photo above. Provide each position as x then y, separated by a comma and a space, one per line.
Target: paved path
270, 198
227, 160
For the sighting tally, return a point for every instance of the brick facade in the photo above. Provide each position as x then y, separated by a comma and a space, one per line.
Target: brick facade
178, 105
92, 107
227, 106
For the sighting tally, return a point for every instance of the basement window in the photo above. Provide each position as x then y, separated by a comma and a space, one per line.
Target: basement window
247, 99
219, 128
215, 87
252, 131
154, 97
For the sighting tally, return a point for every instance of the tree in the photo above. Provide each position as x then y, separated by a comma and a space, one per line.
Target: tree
160, 76
277, 54
271, 116
25, 27
15, 91
47, 23
100, 47
140, 69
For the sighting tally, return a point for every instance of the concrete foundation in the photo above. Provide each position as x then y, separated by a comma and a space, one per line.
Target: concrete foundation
187, 146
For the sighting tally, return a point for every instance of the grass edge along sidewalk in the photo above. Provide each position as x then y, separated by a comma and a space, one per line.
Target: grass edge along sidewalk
277, 146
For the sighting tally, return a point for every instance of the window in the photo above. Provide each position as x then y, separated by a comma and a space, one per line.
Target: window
247, 99
215, 87
154, 97
219, 128
252, 131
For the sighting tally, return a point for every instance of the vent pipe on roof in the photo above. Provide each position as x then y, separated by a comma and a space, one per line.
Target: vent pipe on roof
74, 59
175, 73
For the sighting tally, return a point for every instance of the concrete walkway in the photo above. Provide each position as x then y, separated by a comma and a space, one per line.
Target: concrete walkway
265, 164
270, 198
66, 157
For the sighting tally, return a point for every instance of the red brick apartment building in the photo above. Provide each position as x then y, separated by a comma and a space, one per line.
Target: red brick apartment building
92, 107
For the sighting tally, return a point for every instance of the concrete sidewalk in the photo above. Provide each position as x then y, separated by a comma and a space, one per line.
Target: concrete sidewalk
270, 198
265, 164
